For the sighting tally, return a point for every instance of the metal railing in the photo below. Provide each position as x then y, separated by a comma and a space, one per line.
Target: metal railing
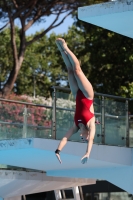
120, 120
21, 119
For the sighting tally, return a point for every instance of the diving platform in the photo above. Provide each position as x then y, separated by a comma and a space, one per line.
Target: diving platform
16, 183
115, 16
106, 162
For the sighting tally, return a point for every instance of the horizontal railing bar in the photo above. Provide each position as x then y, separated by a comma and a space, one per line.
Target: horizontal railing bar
10, 123
25, 103
29, 125
111, 116
98, 94
45, 127
61, 88
69, 199
67, 89
111, 96
67, 109
106, 115
19, 169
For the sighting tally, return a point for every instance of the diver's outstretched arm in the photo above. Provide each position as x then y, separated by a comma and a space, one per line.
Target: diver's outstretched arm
64, 140
90, 143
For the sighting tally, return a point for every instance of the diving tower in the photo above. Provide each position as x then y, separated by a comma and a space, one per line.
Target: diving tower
19, 182
115, 16
29, 143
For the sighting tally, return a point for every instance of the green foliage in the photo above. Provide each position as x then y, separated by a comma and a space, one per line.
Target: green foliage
28, 13
41, 68
127, 90
106, 58
6, 58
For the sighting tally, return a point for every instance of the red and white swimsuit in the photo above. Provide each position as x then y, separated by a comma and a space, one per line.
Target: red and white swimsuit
82, 113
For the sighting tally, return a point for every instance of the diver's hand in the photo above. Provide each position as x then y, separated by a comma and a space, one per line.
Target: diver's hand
57, 153
58, 157
84, 159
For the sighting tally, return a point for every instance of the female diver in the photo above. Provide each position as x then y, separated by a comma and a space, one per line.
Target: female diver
82, 91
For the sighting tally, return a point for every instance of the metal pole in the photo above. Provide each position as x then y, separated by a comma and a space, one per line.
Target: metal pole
76, 193
25, 122
24, 197
63, 194
34, 89
81, 192
127, 124
54, 115
57, 194
103, 121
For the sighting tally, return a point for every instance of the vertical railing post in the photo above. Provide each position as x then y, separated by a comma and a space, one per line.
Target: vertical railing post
76, 193
25, 122
103, 121
54, 115
57, 194
127, 123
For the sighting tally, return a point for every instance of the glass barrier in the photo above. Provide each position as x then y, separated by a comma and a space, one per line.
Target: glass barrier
11, 120
21, 121
115, 123
39, 122
108, 196
65, 107
110, 115
98, 116
131, 131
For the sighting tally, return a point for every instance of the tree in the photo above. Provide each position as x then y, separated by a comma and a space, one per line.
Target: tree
29, 12
41, 68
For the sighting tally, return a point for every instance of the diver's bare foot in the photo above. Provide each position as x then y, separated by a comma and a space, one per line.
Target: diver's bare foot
59, 46
62, 42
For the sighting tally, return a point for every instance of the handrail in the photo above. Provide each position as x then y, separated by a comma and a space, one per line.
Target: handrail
98, 94
107, 115
21, 124
111, 96
67, 89
61, 88
25, 103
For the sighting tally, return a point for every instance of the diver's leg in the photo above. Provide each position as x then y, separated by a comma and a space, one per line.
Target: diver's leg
83, 83
71, 78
